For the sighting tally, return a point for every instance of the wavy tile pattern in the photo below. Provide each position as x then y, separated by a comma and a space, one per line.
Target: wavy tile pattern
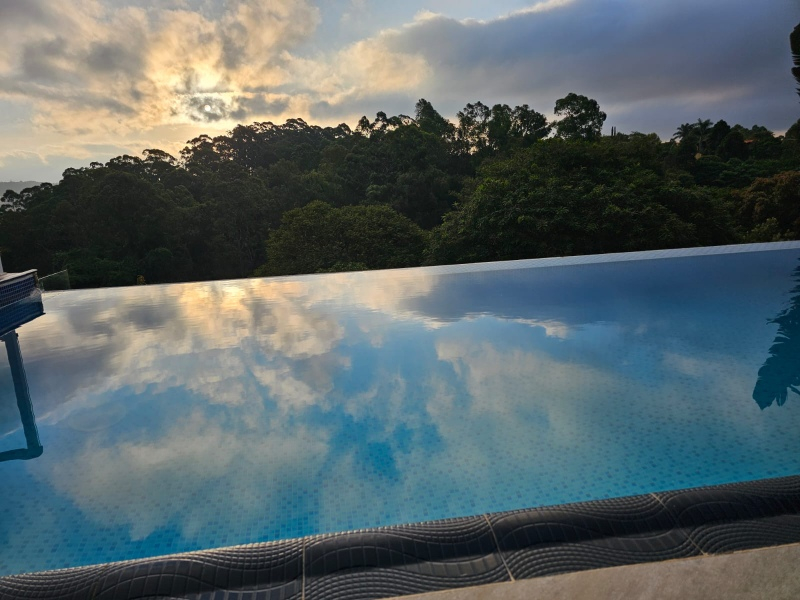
739, 516
66, 584
408, 559
403, 560
590, 535
271, 571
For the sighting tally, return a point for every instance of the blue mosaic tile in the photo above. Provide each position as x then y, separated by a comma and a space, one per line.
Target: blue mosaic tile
451, 553
178, 418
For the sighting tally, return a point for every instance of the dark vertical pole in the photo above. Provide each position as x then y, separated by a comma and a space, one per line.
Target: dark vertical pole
23, 394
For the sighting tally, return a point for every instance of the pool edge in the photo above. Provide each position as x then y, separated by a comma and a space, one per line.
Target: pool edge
450, 553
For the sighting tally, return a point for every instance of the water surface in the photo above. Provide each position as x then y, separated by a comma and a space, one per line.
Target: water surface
182, 417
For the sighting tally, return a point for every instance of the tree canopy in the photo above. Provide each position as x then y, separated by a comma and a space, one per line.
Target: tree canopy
402, 191
582, 118
794, 42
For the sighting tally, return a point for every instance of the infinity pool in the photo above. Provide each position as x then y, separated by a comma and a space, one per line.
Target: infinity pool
193, 416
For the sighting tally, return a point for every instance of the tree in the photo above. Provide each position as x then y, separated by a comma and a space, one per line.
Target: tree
718, 133
499, 126
769, 209
473, 127
320, 238
779, 373
528, 125
583, 119
732, 146
683, 132
790, 147
430, 121
364, 127
200, 152
794, 43
559, 198
703, 131
157, 164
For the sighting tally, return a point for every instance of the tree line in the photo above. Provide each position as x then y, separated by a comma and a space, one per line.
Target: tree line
499, 183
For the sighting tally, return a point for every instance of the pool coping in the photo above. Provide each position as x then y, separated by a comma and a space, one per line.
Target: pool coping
498, 265
451, 553
611, 257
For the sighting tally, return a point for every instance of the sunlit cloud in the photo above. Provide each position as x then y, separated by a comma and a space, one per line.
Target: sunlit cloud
543, 6
127, 70
130, 68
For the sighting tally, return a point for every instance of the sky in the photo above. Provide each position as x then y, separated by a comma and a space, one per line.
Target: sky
88, 80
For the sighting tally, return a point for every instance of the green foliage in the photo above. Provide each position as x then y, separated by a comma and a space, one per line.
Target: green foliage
484, 131
769, 209
794, 43
562, 198
718, 133
702, 130
583, 119
86, 269
399, 191
430, 121
320, 238
732, 146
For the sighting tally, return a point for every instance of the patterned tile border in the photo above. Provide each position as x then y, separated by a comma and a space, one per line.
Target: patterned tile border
406, 559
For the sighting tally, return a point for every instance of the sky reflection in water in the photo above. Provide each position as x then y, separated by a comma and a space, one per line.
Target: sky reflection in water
193, 416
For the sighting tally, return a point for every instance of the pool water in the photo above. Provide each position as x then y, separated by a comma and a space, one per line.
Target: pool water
192, 416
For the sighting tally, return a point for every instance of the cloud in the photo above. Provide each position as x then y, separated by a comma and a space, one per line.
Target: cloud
366, 69
543, 6
24, 11
681, 57
166, 475
128, 68
131, 68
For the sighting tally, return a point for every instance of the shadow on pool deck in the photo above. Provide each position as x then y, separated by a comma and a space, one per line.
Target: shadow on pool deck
456, 553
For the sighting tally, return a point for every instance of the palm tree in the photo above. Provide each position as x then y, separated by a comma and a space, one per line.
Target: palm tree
780, 373
794, 43
703, 129
683, 132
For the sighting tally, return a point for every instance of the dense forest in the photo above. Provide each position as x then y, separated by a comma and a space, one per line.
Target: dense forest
499, 183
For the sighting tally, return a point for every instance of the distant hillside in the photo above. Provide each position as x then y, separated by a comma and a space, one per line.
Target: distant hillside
16, 186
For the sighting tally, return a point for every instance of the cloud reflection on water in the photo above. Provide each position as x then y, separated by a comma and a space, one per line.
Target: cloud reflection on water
227, 412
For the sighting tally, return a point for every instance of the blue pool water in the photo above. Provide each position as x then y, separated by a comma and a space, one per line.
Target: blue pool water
183, 417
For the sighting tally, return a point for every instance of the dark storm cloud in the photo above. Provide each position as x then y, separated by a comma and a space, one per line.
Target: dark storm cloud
681, 55
234, 43
23, 12
39, 60
257, 105
113, 57
69, 97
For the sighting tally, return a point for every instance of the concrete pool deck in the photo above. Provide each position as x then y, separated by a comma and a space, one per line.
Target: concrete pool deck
750, 574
